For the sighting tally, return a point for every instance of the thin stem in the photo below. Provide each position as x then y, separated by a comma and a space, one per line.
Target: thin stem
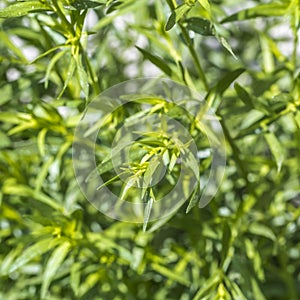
194, 56
63, 17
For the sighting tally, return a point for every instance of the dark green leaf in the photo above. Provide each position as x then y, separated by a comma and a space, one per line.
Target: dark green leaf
80, 5
157, 61
201, 26
176, 15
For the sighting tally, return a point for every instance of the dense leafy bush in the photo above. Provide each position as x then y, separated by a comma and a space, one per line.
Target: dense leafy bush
242, 56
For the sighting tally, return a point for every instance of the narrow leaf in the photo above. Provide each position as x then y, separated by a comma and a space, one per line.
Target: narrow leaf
70, 73
194, 198
147, 213
243, 95
262, 230
83, 77
56, 259
276, 149
157, 61
36, 250
263, 10
170, 274
201, 26
23, 8
176, 15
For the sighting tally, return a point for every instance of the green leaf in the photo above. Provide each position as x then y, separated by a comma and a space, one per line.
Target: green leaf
153, 171
52, 63
226, 242
243, 95
5, 141
205, 4
276, 149
8, 260
297, 118
225, 44
170, 274
10, 45
176, 15
208, 285
89, 283
83, 77
43, 174
23, 8
201, 26
262, 230
81, 5
130, 183
263, 10
75, 277
171, 21
257, 292
214, 96
56, 259
25, 191
108, 182
36, 250
70, 73
41, 141
194, 198
147, 213
157, 61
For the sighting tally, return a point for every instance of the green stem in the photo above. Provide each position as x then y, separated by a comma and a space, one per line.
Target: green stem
194, 56
62, 17
266, 121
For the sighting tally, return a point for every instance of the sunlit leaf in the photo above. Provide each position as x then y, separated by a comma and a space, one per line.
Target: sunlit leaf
23, 8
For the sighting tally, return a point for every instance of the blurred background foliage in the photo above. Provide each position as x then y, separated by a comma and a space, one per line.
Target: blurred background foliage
242, 56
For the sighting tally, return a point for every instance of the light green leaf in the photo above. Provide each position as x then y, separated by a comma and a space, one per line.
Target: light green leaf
83, 77
297, 118
25, 191
262, 230
36, 250
257, 292
263, 10
41, 141
43, 174
23, 8
10, 45
225, 44
89, 282
147, 213
70, 73
52, 63
170, 274
108, 182
276, 149
210, 284
153, 171
194, 198
205, 4
56, 259
75, 277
